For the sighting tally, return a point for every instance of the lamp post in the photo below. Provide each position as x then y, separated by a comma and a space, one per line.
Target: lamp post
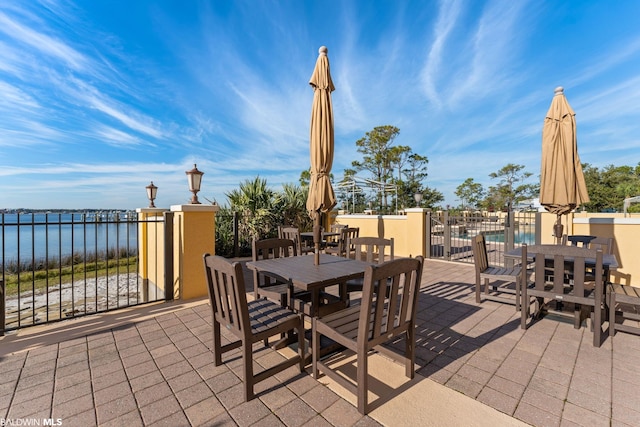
152, 190
194, 176
418, 198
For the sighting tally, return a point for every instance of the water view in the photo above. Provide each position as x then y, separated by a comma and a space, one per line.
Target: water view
26, 237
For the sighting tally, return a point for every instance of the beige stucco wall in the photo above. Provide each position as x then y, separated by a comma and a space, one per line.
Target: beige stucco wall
151, 251
409, 233
193, 236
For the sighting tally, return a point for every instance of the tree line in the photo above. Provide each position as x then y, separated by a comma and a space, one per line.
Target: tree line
389, 176
607, 188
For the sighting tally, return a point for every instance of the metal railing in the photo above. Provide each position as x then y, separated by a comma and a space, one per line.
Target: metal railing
450, 236
57, 266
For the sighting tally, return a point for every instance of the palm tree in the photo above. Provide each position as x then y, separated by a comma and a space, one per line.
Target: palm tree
255, 201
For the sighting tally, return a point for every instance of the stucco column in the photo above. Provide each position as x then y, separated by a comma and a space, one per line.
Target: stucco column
416, 237
151, 251
193, 236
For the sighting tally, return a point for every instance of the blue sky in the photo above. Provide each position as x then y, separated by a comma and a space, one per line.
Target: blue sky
97, 98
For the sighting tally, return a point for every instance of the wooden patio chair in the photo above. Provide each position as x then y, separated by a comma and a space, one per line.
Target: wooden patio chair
265, 286
333, 240
625, 300
387, 311
580, 292
250, 322
372, 250
493, 281
342, 249
293, 233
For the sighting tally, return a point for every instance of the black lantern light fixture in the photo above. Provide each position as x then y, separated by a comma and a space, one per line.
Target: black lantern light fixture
418, 198
152, 190
194, 176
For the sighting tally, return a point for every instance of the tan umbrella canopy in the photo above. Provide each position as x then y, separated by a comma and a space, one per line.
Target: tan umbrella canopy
321, 196
562, 185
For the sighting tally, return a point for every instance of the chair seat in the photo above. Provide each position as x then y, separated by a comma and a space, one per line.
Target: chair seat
267, 316
625, 300
502, 273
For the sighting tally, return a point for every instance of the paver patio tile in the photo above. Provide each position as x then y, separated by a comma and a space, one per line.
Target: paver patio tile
149, 395
140, 369
320, 398
70, 393
194, 394
223, 381
159, 409
205, 411
342, 414
543, 401
584, 416
501, 401
250, 412
622, 414
464, 385
146, 380
73, 407
25, 394
113, 392
600, 404
71, 380
475, 374
136, 359
175, 419
295, 413
535, 416
85, 419
105, 381
121, 408
98, 370
547, 387
130, 419
30, 407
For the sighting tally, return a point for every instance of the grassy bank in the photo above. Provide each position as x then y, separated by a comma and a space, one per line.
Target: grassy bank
41, 278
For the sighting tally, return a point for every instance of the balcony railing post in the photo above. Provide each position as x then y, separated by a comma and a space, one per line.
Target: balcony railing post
2, 308
168, 256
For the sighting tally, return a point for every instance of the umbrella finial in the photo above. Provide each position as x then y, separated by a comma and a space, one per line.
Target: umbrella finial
558, 91
323, 50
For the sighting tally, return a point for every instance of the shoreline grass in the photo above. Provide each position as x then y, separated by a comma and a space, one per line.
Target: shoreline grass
42, 273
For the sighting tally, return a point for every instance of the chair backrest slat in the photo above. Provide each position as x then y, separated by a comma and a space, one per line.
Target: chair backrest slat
372, 249
481, 260
269, 249
389, 299
227, 294
605, 244
562, 257
291, 233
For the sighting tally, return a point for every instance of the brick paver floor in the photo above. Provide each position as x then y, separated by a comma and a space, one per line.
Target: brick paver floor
158, 369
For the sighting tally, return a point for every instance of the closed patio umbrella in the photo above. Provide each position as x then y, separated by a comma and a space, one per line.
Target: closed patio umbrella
562, 185
321, 196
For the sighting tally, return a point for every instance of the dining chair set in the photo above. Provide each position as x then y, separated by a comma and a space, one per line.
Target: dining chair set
575, 272
386, 309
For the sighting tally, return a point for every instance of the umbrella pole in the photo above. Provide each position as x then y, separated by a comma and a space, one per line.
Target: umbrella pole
558, 229
316, 238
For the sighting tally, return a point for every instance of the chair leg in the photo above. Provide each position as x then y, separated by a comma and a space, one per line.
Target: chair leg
478, 284
597, 324
362, 379
410, 353
524, 308
247, 370
301, 349
217, 344
612, 311
315, 348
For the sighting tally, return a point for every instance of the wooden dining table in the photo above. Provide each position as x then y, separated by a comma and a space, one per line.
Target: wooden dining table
303, 274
